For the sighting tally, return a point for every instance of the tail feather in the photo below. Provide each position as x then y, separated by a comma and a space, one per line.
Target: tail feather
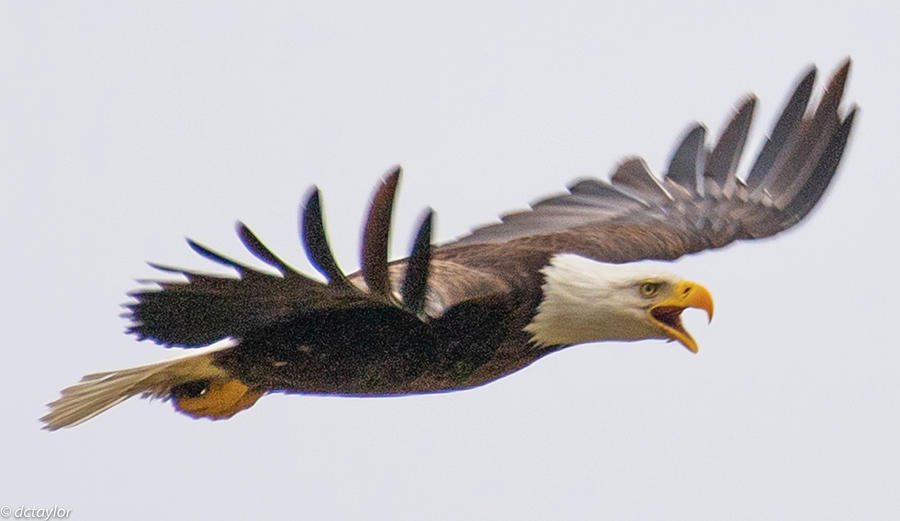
98, 392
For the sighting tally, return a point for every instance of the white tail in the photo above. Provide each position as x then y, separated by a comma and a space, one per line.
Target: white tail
100, 391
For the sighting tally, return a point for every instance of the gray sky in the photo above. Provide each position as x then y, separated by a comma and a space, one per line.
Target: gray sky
126, 126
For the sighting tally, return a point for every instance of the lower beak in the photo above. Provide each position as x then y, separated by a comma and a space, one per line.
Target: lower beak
667, 313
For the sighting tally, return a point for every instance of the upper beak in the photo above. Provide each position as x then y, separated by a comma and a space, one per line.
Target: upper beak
667, 313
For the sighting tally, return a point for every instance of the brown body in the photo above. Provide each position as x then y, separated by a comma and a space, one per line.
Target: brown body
384, 351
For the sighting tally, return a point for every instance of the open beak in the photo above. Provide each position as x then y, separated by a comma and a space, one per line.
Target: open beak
667, 313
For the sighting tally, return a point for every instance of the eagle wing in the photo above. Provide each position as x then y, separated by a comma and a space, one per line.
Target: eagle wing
700, 203
204, 308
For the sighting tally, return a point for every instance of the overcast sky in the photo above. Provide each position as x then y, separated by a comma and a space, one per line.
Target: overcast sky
125, 127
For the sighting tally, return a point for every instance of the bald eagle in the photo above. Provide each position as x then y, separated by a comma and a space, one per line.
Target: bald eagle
462, 314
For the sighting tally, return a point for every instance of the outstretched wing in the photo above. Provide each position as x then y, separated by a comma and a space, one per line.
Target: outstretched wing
206, 308
700, 203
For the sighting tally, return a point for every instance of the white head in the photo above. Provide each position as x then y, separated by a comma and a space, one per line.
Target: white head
586, 301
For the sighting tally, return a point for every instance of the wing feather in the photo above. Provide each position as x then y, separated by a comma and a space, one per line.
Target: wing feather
791, 116
415, 280
262, 252
634, 173
686, 163
375, 236
723, 160
315, 241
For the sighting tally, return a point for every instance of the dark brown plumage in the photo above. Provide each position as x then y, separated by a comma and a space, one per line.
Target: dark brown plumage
452, 316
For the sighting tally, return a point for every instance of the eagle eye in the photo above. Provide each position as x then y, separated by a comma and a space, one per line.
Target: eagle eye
649, 289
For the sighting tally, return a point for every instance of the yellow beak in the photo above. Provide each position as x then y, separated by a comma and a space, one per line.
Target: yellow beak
667, 313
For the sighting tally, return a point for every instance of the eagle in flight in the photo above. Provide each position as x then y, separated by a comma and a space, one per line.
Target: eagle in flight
461, 314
